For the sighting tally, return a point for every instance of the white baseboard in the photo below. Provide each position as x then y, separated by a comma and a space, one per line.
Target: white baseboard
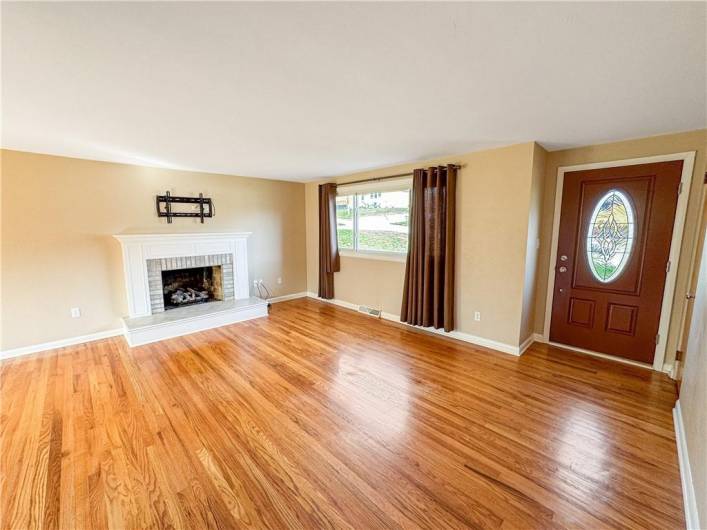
459, 335
286, 297
688, 490
526, 344
35, 348
341, 303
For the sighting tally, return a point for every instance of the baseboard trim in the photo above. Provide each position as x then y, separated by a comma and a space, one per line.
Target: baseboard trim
340, 303
692, 521
72, 341
459, 335
526, 344
286, 297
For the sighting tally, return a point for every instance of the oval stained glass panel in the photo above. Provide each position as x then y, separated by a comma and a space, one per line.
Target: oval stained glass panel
610, 236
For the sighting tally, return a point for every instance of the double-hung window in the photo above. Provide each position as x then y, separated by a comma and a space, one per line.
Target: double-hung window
373, 218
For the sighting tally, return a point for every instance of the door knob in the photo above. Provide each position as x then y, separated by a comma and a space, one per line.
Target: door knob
563, 269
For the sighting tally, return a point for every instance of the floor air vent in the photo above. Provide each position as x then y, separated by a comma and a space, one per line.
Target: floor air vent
369, 311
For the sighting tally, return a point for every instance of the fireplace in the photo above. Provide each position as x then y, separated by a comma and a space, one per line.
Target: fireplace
147, 256
188, 280
196, 285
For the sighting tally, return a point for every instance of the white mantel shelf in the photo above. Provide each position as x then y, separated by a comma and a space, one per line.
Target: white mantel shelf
139, 248
180, 237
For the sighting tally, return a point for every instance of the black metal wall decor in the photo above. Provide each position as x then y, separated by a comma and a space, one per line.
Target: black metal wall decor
206, 206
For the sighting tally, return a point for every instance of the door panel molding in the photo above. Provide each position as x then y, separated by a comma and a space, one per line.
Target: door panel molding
581, 312
618, 314
688, 159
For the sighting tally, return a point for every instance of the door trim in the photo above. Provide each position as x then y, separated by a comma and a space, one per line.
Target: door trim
688, 159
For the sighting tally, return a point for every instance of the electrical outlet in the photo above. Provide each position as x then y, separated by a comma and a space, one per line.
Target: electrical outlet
477, 316
75, 312
279, 281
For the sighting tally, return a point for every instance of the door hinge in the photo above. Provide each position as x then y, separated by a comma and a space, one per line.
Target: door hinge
667, 267
657, 338
678, 355
680, 188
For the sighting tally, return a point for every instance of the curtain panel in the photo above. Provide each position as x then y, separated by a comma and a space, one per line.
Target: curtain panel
328, 245
428, 294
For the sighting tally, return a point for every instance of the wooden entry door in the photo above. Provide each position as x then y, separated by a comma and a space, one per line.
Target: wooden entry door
616, 225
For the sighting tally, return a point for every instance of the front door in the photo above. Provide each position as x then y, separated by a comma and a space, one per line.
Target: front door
612, 258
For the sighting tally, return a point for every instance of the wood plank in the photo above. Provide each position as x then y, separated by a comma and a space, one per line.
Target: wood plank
319, 417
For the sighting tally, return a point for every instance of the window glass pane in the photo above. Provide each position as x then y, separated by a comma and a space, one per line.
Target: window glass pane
344, 221
610, 236
383, 221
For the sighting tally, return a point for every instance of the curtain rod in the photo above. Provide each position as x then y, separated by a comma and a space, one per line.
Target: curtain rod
375, 179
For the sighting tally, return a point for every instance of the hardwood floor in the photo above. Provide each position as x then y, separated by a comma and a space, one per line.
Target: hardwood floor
318, 417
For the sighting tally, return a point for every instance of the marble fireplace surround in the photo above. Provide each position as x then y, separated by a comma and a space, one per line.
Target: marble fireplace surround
145, 322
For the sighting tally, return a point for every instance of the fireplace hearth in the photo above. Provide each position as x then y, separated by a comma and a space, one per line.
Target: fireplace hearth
196, 285
147, 256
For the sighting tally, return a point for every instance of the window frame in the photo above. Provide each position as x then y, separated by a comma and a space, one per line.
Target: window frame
355, 252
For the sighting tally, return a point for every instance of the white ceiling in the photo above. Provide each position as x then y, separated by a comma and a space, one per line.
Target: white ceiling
305, 90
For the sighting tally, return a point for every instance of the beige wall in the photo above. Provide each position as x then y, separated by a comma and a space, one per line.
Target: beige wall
693, 392
655, 145
537, 185
59, 214
58, 217
493, 203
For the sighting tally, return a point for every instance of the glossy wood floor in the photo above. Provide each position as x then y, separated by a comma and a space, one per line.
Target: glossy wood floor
318, 417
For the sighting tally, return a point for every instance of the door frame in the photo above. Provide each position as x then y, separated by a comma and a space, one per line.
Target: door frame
688, 159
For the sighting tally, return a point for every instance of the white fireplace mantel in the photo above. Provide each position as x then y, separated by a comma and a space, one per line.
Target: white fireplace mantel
138, 248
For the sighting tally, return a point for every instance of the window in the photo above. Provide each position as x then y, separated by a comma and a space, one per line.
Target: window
374, 221
610, 236
344, 221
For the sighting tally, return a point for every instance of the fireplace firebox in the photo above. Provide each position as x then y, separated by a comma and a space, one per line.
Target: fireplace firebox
189, 286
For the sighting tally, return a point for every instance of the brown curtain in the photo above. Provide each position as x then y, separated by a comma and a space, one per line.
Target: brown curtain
428, 296
328, 246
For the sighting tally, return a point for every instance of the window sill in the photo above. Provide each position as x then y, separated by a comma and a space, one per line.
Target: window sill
374, 255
